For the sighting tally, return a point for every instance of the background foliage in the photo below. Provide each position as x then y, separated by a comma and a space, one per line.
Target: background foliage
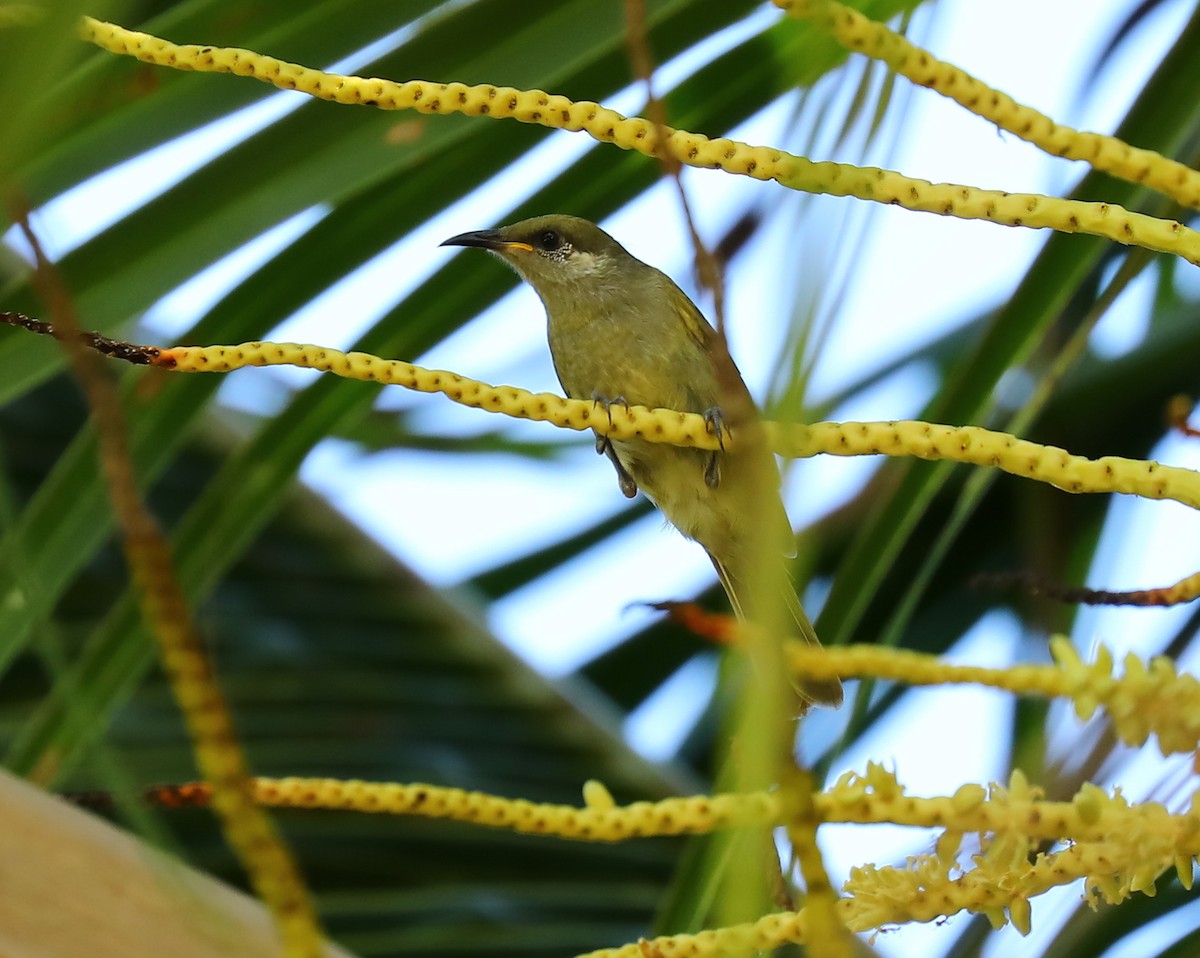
341, 661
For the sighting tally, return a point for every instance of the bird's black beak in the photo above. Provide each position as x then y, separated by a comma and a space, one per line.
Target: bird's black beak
485, 239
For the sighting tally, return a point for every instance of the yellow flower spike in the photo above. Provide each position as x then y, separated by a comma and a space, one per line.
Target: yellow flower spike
965, 444
1030, 210
1113, 840
1019, 788
1021, 915
737, 941
850, 789
634, 133
996, 917
946, 850
883, 782
1064, 653
1106, 153
1090, 685
1005, 854
968, 797
1157, 819
1069, 659
596, 796
1183, 703
1085, 703
1184, 869
1113, 888
662, 425
1090, 803
1136, 674
1132, 729
1134, 714
983, 447
855, 794
675, 816
1143, 878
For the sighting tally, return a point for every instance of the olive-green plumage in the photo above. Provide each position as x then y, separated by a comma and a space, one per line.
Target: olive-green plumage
621, 331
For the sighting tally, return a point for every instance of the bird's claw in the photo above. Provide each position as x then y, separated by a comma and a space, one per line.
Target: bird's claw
624, 479
715, 420
717, 426
625, 482
606, 403
604, 446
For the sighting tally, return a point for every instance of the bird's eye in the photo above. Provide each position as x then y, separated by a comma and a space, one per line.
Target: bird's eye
549, 240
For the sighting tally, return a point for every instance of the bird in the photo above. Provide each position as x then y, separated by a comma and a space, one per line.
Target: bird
621, 332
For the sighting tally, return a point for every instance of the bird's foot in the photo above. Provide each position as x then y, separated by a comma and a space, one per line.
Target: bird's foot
606, 403
717, 426
604, 446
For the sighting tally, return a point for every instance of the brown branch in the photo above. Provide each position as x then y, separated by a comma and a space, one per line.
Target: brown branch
1034, 585
130, 352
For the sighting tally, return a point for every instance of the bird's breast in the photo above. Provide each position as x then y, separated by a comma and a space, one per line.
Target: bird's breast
617, 352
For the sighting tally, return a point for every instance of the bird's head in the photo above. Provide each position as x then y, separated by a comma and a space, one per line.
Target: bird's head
557, 254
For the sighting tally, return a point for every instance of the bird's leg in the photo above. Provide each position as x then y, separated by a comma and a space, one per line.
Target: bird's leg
715, 420
605, 447
625, 481
712, 470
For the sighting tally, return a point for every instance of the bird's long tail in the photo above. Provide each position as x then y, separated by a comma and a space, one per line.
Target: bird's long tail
736, 578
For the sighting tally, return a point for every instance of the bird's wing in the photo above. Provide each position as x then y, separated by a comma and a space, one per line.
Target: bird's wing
698, 328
